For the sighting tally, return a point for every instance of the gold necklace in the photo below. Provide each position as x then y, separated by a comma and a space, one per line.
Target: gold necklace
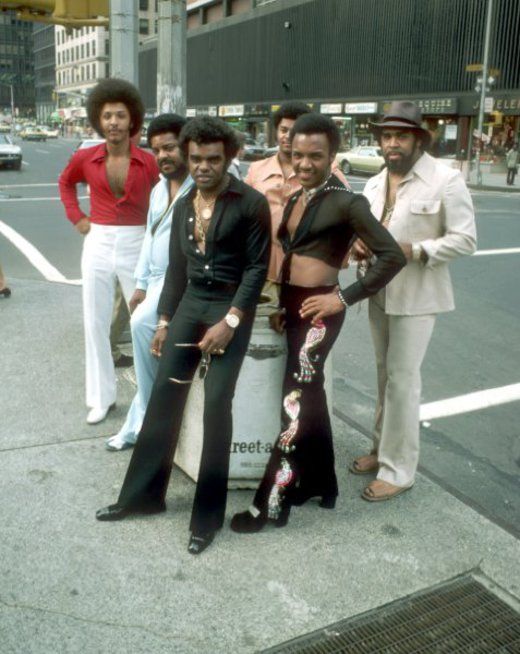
207, 208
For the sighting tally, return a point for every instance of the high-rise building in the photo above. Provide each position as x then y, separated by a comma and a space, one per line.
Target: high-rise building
16, 65
44, 70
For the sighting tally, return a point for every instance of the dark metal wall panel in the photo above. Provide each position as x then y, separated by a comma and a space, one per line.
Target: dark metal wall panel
352, 49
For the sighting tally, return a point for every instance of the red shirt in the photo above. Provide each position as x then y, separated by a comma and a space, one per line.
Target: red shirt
88, 166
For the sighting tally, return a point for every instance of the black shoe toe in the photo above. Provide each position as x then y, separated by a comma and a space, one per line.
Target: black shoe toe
198, 544
247, 523
111, 513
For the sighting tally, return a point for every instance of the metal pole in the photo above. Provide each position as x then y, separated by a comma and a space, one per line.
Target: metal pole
12, 108
124, 29
171, 57
485, 66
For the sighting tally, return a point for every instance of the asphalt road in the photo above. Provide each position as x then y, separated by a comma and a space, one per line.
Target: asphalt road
475, 454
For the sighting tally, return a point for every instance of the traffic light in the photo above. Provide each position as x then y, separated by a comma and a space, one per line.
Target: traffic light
70, 13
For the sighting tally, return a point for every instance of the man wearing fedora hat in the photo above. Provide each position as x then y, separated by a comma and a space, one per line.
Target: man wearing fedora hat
427, 208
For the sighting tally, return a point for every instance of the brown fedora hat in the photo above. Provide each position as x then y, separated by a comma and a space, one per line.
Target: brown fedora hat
405, 114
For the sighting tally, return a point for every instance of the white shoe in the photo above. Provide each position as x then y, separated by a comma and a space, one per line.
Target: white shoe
116, 444
97, 414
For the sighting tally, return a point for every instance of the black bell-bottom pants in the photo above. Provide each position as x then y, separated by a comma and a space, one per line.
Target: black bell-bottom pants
149, 470
302, 460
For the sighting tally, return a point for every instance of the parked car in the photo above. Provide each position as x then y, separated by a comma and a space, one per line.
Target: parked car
5, 128
88, 143
10, 154
252, 150
268, 152
52, 132
33, 134
362, 159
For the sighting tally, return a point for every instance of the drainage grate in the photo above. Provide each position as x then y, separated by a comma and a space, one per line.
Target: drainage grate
460, 617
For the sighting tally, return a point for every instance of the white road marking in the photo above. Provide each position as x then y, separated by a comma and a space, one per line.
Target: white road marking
34, 256
42, 151
80, 197
486, 253
4, 186
470, 402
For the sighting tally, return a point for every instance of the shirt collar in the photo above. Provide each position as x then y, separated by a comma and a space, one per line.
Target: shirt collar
99, 153
234, 186
423, 168
271, 166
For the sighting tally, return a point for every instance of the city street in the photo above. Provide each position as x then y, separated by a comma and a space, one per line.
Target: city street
475, 454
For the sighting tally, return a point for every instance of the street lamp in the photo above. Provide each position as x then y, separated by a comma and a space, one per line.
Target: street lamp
11, 86
482, 86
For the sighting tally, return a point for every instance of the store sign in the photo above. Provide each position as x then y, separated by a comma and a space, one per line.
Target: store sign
336, 108
438, 105
257, 110
429, 106
361, 107
231, 110
509, 106
206, 111
191, 112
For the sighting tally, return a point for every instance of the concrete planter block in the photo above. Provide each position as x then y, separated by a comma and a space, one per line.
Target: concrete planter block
256, 410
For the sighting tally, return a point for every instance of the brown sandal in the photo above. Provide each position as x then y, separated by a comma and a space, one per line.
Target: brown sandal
393, 491
357, 469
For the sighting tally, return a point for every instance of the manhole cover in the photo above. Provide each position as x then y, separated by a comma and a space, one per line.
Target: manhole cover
460, 617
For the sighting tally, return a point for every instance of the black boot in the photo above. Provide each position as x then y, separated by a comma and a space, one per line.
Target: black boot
299, 497
247, 523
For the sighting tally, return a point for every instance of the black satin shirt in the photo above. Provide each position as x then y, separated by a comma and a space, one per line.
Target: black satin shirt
331, 221
237, 248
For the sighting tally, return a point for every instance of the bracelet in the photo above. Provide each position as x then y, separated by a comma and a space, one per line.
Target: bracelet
162, 324
342, 299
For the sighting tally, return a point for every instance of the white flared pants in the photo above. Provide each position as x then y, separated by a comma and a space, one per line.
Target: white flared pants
109, 252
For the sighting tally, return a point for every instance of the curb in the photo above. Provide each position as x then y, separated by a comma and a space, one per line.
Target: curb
485, 187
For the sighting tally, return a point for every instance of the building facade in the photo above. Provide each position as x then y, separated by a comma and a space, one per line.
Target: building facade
83, 58
348, 59
44, 71
16, 66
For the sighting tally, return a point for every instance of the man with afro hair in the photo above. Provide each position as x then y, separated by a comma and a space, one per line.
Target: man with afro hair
121, 177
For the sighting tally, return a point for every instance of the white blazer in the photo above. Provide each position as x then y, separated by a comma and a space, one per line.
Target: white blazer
433, 208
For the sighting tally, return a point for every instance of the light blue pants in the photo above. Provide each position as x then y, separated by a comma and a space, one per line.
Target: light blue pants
142, 323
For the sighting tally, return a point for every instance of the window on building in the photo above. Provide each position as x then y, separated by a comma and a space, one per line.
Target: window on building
143, 26
93, 48
107, 47
77, 52
82, 51
107, 70
143, 5
93, 71
88, 50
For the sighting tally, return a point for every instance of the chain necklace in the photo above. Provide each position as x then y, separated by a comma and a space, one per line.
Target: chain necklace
205, 208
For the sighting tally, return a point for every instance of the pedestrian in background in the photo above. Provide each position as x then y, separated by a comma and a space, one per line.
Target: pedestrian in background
5, 291
163, 139
512, 158
234, 166
120, 321
427, 208
120, 176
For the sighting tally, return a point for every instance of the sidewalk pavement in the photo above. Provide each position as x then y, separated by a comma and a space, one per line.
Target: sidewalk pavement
73, 585
493, 182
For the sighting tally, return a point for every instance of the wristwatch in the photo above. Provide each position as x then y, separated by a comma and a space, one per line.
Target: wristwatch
232, 320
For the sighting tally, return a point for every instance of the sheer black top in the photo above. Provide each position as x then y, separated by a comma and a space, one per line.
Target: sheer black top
332, 219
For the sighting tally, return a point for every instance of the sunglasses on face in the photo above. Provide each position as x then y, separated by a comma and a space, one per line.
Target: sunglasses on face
205, 360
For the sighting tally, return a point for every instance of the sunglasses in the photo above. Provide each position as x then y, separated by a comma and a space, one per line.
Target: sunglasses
205, 360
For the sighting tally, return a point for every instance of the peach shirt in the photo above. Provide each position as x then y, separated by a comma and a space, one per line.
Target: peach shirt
267, 177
